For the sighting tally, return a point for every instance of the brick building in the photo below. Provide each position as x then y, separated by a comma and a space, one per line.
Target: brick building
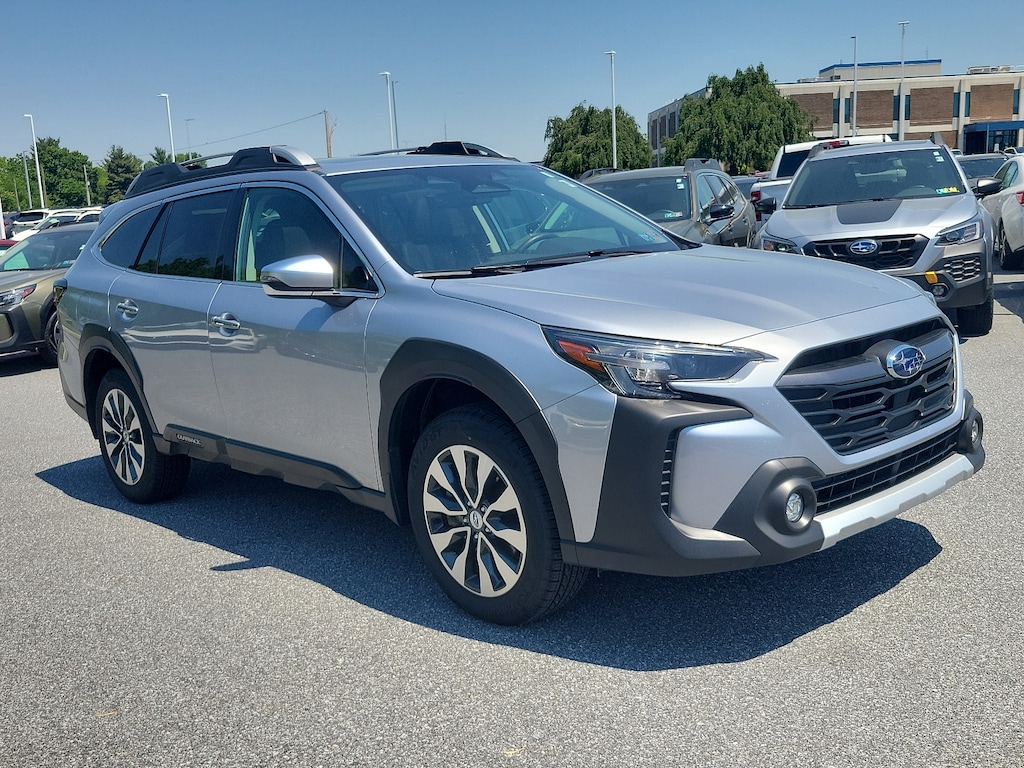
978, 111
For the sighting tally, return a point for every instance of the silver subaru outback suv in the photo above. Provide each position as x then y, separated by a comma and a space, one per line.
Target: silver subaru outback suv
538, 380
906, 208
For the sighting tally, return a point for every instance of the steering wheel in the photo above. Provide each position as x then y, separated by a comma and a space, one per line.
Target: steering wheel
531, 241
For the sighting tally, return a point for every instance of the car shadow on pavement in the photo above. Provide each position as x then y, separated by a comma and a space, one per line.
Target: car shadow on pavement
618, 620
17, 363
1010, 296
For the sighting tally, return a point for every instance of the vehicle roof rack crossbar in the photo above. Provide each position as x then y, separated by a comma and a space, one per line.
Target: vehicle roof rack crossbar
253, 158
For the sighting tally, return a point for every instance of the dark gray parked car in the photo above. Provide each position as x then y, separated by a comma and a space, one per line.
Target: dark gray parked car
530, 374
695, 201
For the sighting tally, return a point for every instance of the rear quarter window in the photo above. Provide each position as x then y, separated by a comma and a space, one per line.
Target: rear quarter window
122, 246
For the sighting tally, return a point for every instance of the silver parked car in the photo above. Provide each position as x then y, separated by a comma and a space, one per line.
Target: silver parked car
905, 208
1007, 209
530, 374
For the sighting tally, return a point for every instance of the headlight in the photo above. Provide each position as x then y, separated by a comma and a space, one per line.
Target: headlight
16, 296
962, 233
777, 244
644, 367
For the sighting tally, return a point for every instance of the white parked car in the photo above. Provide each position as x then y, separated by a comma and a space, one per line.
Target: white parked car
1007, 209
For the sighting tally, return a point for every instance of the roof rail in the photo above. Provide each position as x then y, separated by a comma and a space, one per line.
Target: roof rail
701, 163
251, 159
445, 148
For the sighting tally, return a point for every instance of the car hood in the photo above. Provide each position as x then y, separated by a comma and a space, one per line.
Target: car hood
710, 294
908, 216
9, 280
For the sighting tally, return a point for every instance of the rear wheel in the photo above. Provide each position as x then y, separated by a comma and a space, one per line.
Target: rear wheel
139, 471
483, 520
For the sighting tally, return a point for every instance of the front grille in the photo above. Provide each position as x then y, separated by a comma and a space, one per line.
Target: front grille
848, 487
963, 269
846, 394
893, 252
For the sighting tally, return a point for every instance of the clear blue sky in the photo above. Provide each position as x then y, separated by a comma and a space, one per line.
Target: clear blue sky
258, 72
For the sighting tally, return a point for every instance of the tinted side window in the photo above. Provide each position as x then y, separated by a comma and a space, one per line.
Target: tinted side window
121, 247
187, 240
705, 195
281, 223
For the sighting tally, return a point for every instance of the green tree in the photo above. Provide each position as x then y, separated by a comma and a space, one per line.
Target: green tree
584, 140
64, 174
741, 121
120, 168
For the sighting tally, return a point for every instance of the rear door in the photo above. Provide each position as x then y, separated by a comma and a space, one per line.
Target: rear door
159, 307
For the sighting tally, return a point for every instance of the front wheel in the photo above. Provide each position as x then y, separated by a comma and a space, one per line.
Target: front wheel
139, 471
51, 339
1008, 258
483, 520
976, 321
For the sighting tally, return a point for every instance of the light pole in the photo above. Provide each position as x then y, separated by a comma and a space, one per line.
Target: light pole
615, 148
188, 139
391, 110
39, 173
170, 129
903, 36
853, 114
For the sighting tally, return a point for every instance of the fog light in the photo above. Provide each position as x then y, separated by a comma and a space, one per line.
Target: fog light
794, 507
939, 290
971, 433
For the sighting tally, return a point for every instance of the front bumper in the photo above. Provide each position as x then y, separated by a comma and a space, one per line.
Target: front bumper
641, 530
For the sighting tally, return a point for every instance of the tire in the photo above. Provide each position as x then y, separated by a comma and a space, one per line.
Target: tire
483, 521
140, 472
51, 340
976, 321
1008, 259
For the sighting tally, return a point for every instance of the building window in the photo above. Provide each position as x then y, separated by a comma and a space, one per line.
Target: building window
956, 105
835, 110
846, 110
1016, 101
967, 105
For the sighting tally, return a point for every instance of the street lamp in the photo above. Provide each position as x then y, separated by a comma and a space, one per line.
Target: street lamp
188, 139
615, 149
853, 114
39, 173
391, 110
903, 36
170, 129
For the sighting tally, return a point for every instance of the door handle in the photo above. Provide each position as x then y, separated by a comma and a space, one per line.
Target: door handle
128, 308
226, 321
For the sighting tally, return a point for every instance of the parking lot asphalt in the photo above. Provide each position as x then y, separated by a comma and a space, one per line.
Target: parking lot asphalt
252, 623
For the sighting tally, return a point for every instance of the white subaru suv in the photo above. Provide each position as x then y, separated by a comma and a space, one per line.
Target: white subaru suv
535, 378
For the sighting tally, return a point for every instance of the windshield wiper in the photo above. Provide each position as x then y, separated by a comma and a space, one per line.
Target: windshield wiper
529, 265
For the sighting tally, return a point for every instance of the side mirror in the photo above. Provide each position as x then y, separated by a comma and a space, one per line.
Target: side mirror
766, 205
985, 185
718, 211
300, 276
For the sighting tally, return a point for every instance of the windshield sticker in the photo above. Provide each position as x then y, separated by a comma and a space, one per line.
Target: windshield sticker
650, 237
948, 191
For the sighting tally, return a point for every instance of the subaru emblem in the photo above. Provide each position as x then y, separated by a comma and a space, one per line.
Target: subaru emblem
904, 362
863, 247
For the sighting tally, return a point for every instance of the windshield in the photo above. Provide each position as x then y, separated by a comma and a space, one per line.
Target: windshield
981, 166
661, 199
466, 217
54, 249
840, 179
